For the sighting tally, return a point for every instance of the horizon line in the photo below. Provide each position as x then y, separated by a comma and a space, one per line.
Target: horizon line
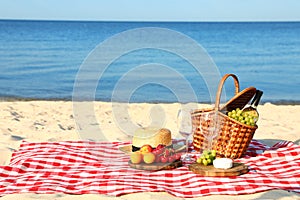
150, 21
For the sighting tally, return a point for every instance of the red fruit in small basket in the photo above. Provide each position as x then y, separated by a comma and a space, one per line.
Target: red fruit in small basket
163, 159
160, 146
177, 156
171, 159
155, 151
167, 152
161, 151
157, 158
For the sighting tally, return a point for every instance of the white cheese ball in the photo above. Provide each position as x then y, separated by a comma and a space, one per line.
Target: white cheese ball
223, 163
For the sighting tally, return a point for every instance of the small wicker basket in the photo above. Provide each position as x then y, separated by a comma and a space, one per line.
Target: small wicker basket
228, 137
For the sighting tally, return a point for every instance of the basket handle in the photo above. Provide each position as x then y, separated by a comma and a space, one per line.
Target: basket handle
237, 88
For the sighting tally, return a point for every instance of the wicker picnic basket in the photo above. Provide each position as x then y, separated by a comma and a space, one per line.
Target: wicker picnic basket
228, 137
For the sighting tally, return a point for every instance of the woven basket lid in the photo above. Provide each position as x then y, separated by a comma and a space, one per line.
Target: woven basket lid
240, 100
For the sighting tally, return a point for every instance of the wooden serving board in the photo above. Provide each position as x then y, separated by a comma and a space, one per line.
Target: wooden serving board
156, 166
209, 170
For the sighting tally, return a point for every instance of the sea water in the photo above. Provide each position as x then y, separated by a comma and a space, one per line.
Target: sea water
42, 60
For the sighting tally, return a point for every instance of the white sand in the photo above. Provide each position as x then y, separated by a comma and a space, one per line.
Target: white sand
55, 121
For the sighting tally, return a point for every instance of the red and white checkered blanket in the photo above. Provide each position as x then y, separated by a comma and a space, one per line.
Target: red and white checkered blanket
82, 167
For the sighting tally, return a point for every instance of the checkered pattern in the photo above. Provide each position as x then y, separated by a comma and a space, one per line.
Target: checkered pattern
82, 167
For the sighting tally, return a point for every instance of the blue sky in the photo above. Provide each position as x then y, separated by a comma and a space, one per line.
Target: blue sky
152, 10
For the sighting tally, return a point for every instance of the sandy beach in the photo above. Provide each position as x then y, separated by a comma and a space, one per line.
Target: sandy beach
55, 121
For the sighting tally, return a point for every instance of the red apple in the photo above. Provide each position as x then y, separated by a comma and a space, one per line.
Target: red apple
146, 148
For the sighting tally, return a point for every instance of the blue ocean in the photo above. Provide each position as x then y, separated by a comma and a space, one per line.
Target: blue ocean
45, 59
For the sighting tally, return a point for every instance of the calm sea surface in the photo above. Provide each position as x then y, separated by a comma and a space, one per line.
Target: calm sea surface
41, 60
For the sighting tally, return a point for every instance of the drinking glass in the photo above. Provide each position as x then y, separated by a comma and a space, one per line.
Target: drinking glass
184, 123
210, 132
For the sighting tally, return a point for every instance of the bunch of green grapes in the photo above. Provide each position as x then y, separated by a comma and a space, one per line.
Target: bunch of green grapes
243, 117
207, 157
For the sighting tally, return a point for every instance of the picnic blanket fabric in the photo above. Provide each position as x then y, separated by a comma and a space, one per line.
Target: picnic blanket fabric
84, 167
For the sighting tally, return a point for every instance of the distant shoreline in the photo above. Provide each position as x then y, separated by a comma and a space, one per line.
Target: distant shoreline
25, 99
